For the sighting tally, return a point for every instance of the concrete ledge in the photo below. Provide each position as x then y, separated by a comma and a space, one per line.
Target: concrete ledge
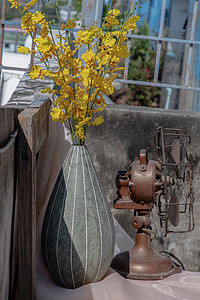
117, 142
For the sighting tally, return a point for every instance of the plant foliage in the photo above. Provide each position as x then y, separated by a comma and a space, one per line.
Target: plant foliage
79, 82
141, 68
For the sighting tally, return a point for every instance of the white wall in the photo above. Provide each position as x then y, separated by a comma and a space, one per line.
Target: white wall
11, 78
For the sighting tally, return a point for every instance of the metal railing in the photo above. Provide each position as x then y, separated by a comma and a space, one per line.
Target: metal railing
159, 39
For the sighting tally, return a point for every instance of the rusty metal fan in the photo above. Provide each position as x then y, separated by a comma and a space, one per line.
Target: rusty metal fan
173, 154
165, 183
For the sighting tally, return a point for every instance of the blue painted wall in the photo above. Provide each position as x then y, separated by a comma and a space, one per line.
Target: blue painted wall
151, 12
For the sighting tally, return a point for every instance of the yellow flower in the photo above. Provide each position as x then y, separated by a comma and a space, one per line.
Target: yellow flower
99, 120
79, 82
28, 5
85, 121
63, 27
25, 9
79, 132
100, 33
32, 2
15, 3
23, 50
111, 21
104, 85
70, 24
114, 61
74, 64
48, 73
116, 33
43, 44
28, 24
87, 36
44, 31
117, 70
121, 51
114, 12
103, 59
85, 77
47, 90
66, 72
66, 91
38, 17
99, 109
56, 113
35, 72
130, 24
122, 37
89, 57
109, 40
32, 52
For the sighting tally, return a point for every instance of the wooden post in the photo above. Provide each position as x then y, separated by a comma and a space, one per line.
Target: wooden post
33, 125
8, 124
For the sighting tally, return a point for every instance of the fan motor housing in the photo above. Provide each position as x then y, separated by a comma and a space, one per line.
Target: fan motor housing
141, 183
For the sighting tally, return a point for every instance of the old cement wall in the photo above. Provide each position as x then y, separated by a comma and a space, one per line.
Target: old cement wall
117, 142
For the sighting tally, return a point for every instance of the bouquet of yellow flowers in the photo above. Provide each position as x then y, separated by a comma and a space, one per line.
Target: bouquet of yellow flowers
79, 83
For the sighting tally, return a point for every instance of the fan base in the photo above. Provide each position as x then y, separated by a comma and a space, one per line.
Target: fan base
125, 270
142, 263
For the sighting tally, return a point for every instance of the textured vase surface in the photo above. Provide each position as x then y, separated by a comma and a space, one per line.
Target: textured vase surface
78, 232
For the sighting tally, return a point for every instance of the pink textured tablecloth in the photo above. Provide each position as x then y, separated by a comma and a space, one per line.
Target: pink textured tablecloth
183, 286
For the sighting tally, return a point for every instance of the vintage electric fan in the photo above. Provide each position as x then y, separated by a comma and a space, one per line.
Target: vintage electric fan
165, 183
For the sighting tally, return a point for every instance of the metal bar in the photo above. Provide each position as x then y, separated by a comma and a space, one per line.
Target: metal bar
165, 85
164, 39
98, 13
10, 142
129, 35
32, 48
12, 68
194, 19
2, 29
165, 174
19, 24
129, 46
88, 13
4, 22
159, 45
69, 8
189, 61
179, 165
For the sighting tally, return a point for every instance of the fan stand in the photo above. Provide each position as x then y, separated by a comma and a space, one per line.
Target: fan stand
147, 183
142, 262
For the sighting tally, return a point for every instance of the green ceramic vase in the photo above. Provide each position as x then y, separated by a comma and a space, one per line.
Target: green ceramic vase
78, 233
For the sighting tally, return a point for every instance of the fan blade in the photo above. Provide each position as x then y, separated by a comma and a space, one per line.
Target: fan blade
174, 210
175, 151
